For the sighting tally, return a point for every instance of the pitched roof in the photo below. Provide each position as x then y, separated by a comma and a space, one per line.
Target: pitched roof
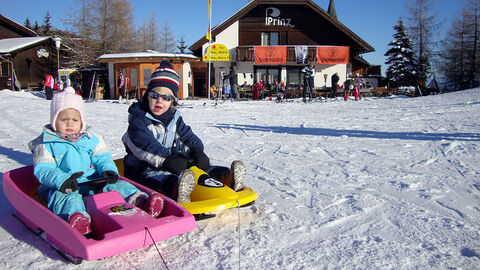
16, 27
11, 45
363, 45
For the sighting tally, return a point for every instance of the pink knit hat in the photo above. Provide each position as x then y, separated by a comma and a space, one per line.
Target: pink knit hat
65, 100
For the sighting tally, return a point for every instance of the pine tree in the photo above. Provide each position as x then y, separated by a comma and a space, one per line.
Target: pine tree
182, 47
27, 23
47, 28
401, 69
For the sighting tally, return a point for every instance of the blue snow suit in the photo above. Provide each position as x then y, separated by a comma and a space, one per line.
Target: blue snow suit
149, 140
55, 159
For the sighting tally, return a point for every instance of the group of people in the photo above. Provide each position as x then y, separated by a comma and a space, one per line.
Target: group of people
160, 148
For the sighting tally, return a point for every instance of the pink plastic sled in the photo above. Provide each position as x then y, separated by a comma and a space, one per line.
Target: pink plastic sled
117, 226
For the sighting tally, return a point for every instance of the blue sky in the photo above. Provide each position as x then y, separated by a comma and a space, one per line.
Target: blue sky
372, 20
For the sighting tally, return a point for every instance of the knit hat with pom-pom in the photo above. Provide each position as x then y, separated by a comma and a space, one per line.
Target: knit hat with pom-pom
165, 76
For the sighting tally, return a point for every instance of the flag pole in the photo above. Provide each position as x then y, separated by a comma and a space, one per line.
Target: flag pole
209, 34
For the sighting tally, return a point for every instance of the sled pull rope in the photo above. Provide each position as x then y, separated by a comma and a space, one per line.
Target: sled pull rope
159, 254
239, 242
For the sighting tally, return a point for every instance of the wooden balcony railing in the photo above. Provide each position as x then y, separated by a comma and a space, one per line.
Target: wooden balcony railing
246, 53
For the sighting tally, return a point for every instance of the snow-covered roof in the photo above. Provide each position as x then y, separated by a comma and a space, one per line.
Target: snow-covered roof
146, 54
10, 45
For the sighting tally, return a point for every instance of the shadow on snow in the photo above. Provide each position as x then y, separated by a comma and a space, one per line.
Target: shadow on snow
422, 136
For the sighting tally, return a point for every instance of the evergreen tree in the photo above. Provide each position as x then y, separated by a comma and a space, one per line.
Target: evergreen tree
401, 69
182, 47
47, 28
27, 23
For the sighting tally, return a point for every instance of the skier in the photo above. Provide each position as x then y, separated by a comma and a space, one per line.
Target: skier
308, 75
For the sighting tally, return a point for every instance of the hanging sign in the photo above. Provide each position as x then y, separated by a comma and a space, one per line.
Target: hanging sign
219, 52
270, 55
332, 54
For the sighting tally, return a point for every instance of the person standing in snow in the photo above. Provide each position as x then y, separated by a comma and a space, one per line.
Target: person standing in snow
48, 83
121, 86
358, 85
335, 80
232, 77
161, 147
68, 153
348, 87
308, 75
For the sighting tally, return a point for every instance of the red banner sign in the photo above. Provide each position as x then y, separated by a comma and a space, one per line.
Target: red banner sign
332, 54
270, 55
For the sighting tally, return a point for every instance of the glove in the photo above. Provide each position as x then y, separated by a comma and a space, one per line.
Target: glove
201, 160
111, 176
71, 184
175, 164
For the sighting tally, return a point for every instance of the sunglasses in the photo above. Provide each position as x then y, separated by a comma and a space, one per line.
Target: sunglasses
156, 95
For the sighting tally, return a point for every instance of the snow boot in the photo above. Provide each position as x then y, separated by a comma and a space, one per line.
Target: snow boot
238, 170
80, 222
186, 184
153, 205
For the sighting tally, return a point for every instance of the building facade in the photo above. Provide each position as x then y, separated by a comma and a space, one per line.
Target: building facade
273, 40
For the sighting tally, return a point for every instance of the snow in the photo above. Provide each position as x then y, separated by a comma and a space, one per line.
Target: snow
383, 183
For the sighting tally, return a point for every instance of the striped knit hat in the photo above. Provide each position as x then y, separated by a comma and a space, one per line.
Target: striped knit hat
164, 76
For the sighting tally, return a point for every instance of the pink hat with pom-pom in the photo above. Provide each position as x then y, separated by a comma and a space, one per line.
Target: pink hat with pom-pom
65, 100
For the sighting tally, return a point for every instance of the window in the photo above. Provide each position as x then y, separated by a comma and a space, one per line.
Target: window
134, 77
4, 69
147, 74
268, 75
270, 38
294, 77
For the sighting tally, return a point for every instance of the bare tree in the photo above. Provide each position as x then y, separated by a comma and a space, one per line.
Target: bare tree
422, 25
148, 35
167, 39
459, 58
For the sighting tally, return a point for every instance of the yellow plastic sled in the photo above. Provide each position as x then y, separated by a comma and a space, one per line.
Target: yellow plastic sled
212, 196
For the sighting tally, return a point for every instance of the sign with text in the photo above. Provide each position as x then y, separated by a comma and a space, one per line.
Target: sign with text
219, 52
270, 55
332, 54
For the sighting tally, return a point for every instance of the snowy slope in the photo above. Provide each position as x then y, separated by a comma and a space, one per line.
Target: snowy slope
383, 183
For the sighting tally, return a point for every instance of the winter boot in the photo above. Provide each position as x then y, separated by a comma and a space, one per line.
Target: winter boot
238, 170
153, 205
80, 222
186, 184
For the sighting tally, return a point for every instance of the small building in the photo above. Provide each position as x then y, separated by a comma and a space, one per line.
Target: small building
138, 68
25, 57
272, 40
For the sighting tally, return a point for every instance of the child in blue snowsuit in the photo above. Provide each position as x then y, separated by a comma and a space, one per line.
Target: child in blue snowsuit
161, 147
68, 153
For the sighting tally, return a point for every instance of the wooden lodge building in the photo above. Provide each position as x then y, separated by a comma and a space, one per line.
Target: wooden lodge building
25, 57
264, 40
272, 40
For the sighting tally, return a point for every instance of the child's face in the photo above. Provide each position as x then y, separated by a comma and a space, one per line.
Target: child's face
68, 122
162, 103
